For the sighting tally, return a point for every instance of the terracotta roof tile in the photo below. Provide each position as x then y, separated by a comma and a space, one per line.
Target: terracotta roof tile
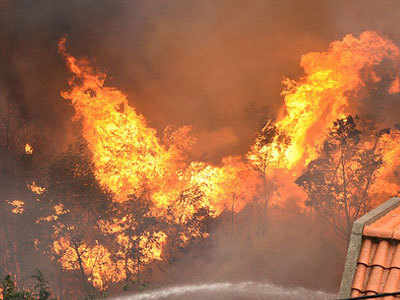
378, 266
379, 272
392, 282
386, 226
396, 232
365, 253
374, 247
375, 280
355, 293
396, 257
359, 277
381, 253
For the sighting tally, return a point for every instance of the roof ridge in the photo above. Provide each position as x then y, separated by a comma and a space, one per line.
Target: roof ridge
373, 255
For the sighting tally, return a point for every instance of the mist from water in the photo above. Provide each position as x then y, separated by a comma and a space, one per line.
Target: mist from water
227, 290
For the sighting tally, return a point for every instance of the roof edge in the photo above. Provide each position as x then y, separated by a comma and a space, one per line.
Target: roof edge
353, 250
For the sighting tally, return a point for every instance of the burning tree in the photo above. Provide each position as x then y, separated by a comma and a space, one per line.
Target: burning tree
338, 182
137, 233
76, 204
270, 142
162, 201
189, 225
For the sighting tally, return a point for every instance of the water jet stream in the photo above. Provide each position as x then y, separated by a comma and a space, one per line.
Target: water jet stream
227, 290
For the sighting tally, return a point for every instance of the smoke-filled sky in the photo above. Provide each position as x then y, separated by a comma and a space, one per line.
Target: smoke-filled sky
215, 65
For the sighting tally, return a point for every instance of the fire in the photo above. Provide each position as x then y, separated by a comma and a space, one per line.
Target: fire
126, 151
332, 80
36, 189
58, 211
128, 155
18, 206
95, 260
130, 158
312, 103
232, 185
386, 182
28, 149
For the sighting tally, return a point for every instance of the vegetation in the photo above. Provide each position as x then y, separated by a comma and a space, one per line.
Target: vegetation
40, 290
338, 182
262, 162
70, 228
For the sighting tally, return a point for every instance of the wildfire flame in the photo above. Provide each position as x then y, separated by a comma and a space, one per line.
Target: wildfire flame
36, 189
130, 158
28, 149
127, 153
18, 206
323, 94
96, 261
332, 80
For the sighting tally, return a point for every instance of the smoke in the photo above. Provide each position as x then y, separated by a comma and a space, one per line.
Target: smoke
199, 63
214, 65
295, 250
242, 290
202, 63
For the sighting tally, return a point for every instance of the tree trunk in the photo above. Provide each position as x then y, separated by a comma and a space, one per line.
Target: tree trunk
138, 261
266, 200
128, 250
82, 270
347, 205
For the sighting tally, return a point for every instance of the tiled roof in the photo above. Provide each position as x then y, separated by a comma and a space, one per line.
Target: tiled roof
378, 266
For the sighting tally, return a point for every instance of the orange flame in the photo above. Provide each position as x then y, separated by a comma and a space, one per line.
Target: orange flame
332, 79
323, 94
96, 262
130, 158
28, 149
126, 152
18, 206
36, 189
128, 155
